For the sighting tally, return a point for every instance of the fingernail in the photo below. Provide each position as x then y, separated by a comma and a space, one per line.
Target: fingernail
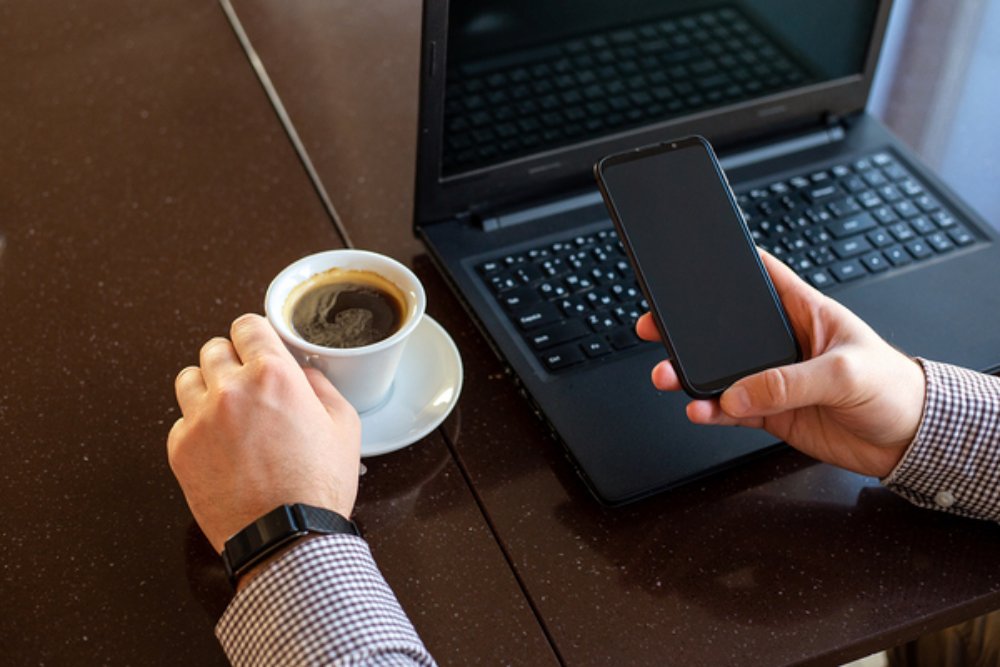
737, 401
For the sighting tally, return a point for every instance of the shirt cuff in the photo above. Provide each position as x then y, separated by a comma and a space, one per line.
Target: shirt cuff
322, 602
953, 463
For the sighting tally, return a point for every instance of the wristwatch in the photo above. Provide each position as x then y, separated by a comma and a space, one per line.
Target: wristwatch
277, 528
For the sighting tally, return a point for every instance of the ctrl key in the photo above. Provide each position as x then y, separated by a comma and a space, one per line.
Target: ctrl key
562, 357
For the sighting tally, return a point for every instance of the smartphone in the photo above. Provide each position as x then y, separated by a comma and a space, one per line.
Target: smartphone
711, 298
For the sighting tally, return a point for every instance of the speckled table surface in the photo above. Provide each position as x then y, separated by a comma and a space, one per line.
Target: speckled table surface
785, 561
148, 194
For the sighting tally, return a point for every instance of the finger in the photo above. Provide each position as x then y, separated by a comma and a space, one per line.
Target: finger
646, 328
823, 380
254, 337
665, 377
190, 388
711, 414
218, 359
786, 282
339, 409
332, 400
173, 441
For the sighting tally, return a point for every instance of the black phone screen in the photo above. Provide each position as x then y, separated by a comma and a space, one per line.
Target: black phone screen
697, 263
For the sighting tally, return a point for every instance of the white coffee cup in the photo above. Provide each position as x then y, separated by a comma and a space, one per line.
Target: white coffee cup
363, 374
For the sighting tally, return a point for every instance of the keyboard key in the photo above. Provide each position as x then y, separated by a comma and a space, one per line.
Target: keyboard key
923, 225
854, 184
961, 236
820, 279
851, 247
940, 242
875, 178
875, 262
851, 226
622, 339
503, 282
884, 215
927, 203
849, 270
799, 263
557, 334
844, 207
895, 172
562, 357
821, 255
869, 199
519, 298
890, 193
599, 322
817, 236
573, 307
902, 231
906, 209
552, 290
595, 347
882, 159
537, 316
919, 249
897, 255
944, 219
820, 194
910, 187
488, 268
879, 238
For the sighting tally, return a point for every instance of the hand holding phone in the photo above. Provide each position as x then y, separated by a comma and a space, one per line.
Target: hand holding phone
711, 299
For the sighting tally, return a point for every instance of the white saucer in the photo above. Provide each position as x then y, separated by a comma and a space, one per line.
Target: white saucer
426, 388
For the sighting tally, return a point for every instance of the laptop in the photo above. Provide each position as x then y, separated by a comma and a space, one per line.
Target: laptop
518, 100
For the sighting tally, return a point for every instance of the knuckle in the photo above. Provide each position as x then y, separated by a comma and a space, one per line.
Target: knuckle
184, 372
776, 386
844, 368
213, 343
267, 370
246, 320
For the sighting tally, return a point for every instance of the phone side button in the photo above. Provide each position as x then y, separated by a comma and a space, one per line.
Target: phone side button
562, 357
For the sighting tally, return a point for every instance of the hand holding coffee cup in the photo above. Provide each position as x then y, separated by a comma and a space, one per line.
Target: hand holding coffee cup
348, 313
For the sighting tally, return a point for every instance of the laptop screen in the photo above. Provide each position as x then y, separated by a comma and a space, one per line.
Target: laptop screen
528, 76
519, 98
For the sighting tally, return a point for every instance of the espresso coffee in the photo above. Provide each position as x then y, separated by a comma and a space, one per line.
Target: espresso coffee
344, 308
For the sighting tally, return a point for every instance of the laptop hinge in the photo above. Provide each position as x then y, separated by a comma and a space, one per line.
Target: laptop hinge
547, 210
831, 133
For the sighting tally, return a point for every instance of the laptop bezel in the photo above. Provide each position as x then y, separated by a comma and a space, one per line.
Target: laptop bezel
541, 175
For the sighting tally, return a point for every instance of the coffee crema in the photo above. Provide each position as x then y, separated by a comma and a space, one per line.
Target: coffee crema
344, 308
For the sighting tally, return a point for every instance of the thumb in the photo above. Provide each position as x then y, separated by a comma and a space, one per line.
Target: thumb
784, 388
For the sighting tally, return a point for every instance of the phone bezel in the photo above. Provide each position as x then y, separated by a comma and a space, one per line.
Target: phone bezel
714, 387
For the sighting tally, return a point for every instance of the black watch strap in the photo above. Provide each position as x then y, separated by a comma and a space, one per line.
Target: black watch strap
277, 528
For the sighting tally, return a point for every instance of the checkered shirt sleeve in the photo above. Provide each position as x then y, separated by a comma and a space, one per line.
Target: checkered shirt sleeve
324, 602
953, 463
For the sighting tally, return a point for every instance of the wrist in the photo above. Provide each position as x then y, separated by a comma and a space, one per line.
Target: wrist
273, 533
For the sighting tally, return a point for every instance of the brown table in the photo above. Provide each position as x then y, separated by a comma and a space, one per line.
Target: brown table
148, 194
787, 561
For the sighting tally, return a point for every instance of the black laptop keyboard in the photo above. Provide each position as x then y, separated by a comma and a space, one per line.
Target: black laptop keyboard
593, 84
576, 300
